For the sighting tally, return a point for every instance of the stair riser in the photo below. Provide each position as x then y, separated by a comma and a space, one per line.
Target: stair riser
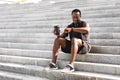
94, 49
41, 54
57, 16
50, 30
33, 7
8, 78
100, 42
52, 75
51, 36
51, 24
78, 66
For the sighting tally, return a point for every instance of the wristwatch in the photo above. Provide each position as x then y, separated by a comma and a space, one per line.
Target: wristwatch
72, 29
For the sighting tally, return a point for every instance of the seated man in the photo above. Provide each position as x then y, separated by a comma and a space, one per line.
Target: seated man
78, 32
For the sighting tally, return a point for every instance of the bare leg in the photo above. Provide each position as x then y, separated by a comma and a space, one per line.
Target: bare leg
76, 43
56, 47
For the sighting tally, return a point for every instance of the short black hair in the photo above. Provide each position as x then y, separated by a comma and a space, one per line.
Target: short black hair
76, 10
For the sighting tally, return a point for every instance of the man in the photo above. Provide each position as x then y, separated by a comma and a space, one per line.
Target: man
78, 32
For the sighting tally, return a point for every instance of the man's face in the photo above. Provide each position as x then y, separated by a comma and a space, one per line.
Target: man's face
76, 17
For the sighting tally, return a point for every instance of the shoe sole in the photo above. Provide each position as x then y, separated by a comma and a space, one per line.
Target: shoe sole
65, 71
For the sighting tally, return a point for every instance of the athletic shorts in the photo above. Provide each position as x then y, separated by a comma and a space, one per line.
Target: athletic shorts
85, 48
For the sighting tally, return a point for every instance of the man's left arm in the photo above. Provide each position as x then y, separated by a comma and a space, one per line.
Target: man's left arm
84, 29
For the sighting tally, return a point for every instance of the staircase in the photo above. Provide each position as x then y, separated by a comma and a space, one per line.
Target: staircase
26, 40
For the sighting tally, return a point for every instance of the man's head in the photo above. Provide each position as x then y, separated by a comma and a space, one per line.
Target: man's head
76, 15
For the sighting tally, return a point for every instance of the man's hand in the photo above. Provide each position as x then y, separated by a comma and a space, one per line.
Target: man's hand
56, 31
67, 30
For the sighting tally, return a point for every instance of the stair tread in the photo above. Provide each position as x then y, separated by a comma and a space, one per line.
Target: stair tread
78, 73
46, 59
19, 76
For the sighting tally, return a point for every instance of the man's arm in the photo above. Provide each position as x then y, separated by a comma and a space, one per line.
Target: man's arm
84, 29
56, 32
63, 35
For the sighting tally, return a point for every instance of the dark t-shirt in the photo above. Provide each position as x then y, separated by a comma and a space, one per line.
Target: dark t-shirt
72, 34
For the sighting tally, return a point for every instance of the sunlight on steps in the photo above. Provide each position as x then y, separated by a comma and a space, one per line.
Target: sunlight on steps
30, 1
19, 1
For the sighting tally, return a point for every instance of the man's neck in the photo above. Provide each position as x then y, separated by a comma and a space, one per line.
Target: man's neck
76, 22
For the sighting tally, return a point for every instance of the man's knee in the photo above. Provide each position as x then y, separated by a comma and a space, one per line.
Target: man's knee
58, 39
76, 41
61, 42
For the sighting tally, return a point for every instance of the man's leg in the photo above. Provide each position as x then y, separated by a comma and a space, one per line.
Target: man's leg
76, 43
56, 47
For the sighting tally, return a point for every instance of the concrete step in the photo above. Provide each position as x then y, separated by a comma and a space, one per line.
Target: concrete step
95, 48
30, 1
27, 14
105, 49
26, 46
42, 35
85, 11
15, 3
37, 24
28, 40
30, 55
52, 36
38, 8
109, 19
105, 35
28, 26
26, 35
27, 6
15, 76
104, 42
54, 10
101, 42
94, 67
61, 5
50, 30
59, 1
97, 1
58, 18
18, 6
65, 15
29, 30
79, 4
51, 23
79, 66
27, 52
105, 29
55, 74
87, 14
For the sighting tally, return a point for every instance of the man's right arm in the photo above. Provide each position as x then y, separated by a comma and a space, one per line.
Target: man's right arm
63, 35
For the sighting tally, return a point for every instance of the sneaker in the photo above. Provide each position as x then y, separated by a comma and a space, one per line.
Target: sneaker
53, 66
68, 68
